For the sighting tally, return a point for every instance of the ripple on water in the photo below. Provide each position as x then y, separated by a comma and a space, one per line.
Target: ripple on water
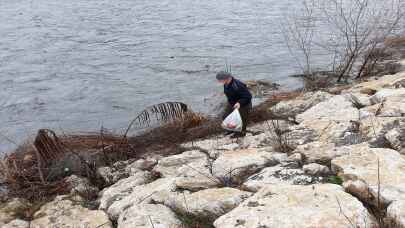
77, 64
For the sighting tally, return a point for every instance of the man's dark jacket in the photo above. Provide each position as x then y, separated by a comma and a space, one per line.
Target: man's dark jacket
236, 91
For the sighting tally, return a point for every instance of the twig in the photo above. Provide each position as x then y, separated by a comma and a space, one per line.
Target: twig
203, 174
378, 185
143, 199
106, 159
342, 212
185, 202
151, 222
102, 224
39, 166
254, 176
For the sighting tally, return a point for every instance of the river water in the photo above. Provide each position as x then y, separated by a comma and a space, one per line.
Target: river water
81, 64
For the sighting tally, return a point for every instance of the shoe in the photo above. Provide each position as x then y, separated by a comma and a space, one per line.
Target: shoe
238, 135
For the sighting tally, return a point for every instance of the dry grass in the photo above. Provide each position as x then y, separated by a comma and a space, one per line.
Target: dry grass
279, 136
397, 41
35, 170
262, 112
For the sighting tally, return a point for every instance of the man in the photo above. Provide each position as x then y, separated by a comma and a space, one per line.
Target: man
238, 96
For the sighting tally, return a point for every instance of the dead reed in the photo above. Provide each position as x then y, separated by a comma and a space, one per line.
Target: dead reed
36, 170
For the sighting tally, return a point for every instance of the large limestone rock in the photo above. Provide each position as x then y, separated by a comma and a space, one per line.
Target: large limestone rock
363, 162
235, 165
339, 132
65, 213
337, 108
219, 143
396, 211
123, 169
13, 209
392, 109
369, 111
321, 205
359, 100
278, 175
391, 101
291, 135
372, 172
207, 204
300, 104
395, 136
254, 141
315, 169
295, 160
321, 153
214, 143
387, 81
109, 175
123, 188
117, 171
17, 223
192, 169
143, 164
81, 186
331, 131
400, 82
392, 95
197, 183
157, 190
176, 165
300, 134
374, 129
331, 121
148, 216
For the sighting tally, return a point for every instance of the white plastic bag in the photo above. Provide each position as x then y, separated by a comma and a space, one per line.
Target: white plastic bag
233, 122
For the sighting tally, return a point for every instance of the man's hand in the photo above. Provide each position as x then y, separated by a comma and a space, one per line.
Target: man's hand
236, 106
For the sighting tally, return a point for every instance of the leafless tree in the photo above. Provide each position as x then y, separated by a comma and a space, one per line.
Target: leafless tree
298, 31
350, 31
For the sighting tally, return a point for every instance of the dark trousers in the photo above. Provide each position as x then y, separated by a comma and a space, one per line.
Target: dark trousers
244, 113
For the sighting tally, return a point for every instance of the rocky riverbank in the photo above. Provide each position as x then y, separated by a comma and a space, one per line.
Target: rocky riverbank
338, 162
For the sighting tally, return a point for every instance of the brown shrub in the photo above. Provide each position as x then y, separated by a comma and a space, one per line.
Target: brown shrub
395, 41
35, 170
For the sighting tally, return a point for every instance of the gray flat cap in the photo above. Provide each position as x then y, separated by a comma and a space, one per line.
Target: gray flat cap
223, 75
